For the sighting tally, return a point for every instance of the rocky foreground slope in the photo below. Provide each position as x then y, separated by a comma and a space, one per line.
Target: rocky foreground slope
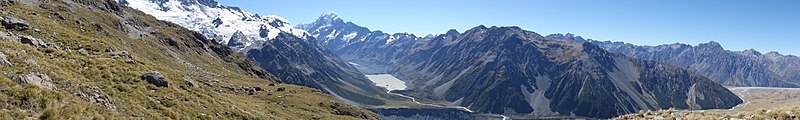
507, 70
96, 59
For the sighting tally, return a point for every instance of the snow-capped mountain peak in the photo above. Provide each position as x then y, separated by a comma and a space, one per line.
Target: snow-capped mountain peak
327, 18
330, 16
217, 21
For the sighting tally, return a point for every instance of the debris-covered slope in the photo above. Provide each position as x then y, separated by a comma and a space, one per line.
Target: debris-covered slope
96, 59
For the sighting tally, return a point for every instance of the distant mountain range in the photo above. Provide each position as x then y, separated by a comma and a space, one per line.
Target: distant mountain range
732, 68
507, 70
291, 54
370, 51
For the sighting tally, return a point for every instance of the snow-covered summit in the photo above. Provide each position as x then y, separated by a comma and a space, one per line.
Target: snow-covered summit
218, 22
329, 17
334, 32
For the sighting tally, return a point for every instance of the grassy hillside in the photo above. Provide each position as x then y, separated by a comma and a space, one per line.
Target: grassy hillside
85, 72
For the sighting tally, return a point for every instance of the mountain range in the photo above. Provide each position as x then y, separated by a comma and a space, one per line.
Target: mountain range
507, 70
733, 68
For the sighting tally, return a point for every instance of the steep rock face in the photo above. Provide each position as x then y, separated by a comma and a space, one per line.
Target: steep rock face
787, 66
289, 53
744, 68
84, 59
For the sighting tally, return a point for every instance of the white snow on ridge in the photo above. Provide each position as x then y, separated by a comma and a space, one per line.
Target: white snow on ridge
364, 38
201, 18
276, 17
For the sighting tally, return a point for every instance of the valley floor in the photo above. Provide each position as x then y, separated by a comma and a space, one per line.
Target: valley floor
765, 98
760, 103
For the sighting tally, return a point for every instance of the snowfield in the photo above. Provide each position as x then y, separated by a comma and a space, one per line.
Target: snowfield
218, 22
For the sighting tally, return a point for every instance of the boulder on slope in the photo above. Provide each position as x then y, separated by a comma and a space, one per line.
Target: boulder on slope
155, 78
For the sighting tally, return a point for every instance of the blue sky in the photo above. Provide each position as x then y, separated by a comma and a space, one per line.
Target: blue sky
767, 25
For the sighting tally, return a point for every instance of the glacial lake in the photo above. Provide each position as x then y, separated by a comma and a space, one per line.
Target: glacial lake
438, 113
387, 81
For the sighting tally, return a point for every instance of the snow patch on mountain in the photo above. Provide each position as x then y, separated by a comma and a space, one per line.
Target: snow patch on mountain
391, 38
334, 33
350, 36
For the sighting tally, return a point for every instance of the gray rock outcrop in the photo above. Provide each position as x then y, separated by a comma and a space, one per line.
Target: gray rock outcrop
32, 41
37, 79
8, 36
155, 78
14, 23
96, 95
